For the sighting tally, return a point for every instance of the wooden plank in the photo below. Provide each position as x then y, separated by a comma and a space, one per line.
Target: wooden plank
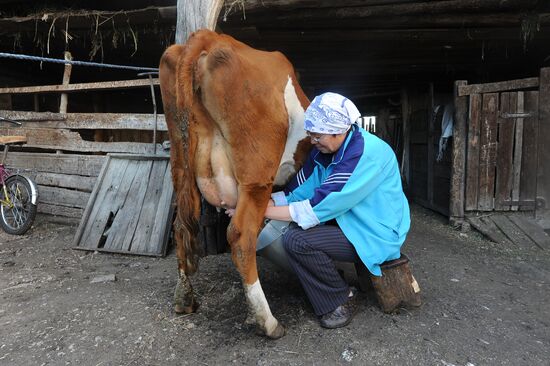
120, 206
472, 162
137, 196
528, 176
91, 121
456, 204
57, 210
498, 86
12, 139
165, 210
128, 219
487, 156
489, 229
405, 159
66, 79
81, 183
431, 151
532, 230
90, 207
72, 141
84, 165
96, 221
543, 169
80, 87
505, 149
518, 150
142, 236
62, 196
512, 232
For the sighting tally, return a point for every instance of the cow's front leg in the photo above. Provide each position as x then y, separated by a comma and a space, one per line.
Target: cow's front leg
242, 233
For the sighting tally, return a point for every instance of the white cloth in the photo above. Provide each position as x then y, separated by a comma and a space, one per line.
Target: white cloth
330, 113
446, 129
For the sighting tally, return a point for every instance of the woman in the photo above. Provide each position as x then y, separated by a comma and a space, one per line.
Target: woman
348, 203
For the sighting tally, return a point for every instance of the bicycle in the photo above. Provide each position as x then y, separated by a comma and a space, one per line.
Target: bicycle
18, 193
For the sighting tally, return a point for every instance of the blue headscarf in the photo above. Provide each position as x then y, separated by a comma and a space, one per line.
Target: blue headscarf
330, 113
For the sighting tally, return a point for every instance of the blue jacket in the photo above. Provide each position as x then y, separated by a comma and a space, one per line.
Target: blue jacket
359, 186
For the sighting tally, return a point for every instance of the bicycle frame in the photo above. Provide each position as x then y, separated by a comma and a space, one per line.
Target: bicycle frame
3, 176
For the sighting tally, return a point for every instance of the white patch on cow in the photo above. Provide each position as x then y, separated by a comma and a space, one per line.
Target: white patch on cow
296, 133
259, 308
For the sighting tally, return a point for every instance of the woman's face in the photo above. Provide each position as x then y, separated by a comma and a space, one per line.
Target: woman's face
327, 144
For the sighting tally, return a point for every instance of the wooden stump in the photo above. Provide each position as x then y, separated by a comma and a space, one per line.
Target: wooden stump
397, 286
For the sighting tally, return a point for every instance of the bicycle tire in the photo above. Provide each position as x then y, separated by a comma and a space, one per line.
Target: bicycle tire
17, 219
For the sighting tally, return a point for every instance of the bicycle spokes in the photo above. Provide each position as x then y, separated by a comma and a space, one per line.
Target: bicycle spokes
17, 208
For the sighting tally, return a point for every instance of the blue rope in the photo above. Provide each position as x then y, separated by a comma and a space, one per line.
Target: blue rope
79, 63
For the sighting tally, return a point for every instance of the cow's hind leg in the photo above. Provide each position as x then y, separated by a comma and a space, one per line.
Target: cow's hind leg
242, 233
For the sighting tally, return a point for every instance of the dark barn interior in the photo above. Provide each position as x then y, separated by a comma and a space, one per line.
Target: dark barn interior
391, 57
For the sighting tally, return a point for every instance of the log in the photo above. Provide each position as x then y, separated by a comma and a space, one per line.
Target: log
397, 287
194, 15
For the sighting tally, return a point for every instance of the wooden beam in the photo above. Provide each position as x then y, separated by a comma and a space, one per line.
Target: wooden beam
454, 20
89, 121
84, 165
543, 179
65, 140
460, 35
66, 79
456, 204
423, 8
102, 85
498, 86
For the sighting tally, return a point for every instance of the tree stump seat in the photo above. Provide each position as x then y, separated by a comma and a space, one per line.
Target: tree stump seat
396, 288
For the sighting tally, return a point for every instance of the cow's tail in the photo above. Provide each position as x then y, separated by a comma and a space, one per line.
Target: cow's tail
180, 119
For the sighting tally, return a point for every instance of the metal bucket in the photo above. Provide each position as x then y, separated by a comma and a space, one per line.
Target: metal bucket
270, 243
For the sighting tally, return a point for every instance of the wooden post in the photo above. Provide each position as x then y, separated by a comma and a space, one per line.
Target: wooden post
194, 15
543, 169
66, 80
431, 152
406, 136
456, 205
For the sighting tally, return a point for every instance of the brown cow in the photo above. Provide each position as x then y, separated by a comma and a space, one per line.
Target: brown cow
235, 122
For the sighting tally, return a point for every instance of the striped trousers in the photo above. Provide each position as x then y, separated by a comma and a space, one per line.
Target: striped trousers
311, 254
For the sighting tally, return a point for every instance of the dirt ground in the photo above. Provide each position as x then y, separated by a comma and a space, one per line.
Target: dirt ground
484, 304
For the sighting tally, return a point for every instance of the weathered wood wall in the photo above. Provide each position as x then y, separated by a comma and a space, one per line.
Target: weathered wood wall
63, 158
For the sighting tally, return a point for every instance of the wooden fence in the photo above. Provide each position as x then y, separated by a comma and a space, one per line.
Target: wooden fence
65, 164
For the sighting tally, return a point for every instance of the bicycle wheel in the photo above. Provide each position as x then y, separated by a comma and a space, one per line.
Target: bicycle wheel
17, 216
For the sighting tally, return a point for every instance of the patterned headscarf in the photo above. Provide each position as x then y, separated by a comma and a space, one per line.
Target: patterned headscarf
330, 113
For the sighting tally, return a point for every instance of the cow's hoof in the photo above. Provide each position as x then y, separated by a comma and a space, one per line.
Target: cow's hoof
277, 333
180, 308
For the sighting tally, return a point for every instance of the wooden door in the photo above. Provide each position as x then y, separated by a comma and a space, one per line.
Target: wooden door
501, 155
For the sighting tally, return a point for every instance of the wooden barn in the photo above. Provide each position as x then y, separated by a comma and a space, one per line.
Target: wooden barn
459, 88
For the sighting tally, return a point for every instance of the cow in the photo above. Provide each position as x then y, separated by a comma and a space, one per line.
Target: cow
235, 119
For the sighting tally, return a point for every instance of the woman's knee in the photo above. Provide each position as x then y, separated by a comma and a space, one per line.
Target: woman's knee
293, 240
